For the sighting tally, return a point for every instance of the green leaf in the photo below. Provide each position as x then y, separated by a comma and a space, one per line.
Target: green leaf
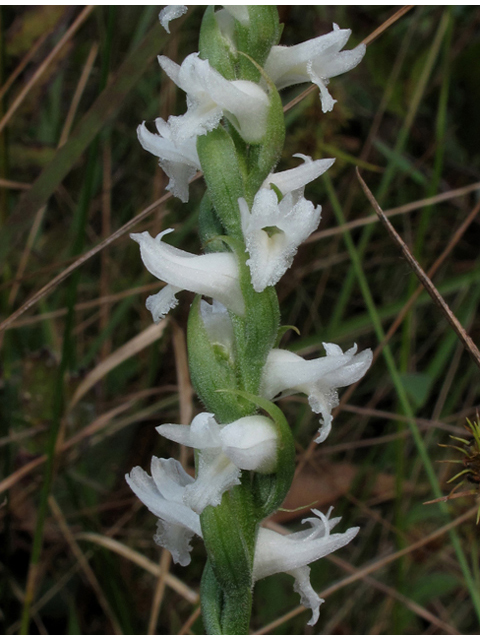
214, 47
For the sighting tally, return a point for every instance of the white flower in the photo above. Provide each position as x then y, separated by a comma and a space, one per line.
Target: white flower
316, 60
248, 443
210, 96
274, 230
179, 160
171, 12
287, 373
213, 274
162, 493
275, 553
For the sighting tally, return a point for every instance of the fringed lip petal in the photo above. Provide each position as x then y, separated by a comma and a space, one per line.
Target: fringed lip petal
277, 553
179, 160
287, 373
163, 494
315, 60
274, 230
171, 12
214, 274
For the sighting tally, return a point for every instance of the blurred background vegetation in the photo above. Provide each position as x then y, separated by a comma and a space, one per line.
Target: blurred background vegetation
85, 377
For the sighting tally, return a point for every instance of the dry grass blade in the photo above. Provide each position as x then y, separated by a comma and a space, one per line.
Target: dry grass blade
83, 562
165, 561
43, 67
53, 284
141, 561
393, 593
11, 184
189, 622
371, 568
133, 346
23, 63
98, 424
423, 277
82, 83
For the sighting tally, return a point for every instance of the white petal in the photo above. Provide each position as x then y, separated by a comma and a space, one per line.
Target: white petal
169, 510
213, 274
179, 160
210, 96
203, 433
171, 12
176, 539
286, 372
162, 302
251, 443
297, 178
316, 60
308, 596
273, 231
275, 553
216, 474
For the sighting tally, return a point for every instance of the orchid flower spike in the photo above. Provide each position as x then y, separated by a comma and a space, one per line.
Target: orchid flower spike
171, 12
210, 96
275, 553
274, 230
287, 373
213, 274
315, 60
179, 160
223, 451
162, 493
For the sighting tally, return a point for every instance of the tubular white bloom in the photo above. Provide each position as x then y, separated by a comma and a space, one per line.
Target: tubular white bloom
210, 96
171, 12
248, 443
274, 230
162, 493
315, 60
275, 553
179, 160
213, 274
287, 373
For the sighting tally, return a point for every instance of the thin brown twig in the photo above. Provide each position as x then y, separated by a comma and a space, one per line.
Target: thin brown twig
468, 343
